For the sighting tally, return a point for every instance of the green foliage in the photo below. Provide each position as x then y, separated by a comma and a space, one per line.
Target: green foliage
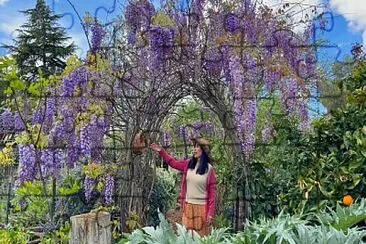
19, 89
188, 112
116, 229
38, 87
61, 236
333, 90
7, 155
221, 222
274, 167
278, 230
307, 172
14, 235
132, 221
163, 233
15, 84
222, 160
162, 19
343, 218
335, 157
8, 75
291, 230
31, 196
71, 188
357, 79
268, 110
98, 172
72, 198
284, 229
31, 208
63, 233
163, 196
217, 235
93, 170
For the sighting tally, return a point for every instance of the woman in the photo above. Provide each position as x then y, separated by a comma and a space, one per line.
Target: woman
198, 191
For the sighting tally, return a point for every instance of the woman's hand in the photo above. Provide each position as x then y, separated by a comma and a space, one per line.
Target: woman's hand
209, 221
156, 147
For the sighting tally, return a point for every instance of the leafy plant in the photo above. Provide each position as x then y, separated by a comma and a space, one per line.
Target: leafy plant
163, 196
216, 236
221, 222
14, 235
344, 218
309, 172
294, 229
59, 236
30, 204
335, 228
132, 221
7, 155
163, 233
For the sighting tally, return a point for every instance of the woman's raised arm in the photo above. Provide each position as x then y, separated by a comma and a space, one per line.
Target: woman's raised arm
171, 161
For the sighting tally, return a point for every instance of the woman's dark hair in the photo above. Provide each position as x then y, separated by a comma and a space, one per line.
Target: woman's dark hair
205, 160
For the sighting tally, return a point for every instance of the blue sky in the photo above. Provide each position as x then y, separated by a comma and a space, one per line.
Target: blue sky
10, 18
340, 36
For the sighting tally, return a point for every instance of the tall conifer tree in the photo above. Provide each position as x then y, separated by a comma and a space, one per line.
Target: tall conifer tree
41, 43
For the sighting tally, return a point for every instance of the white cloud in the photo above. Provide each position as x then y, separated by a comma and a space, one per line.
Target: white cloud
3, 2
9, 25
80, 41
297, 10
354, 12
364, 39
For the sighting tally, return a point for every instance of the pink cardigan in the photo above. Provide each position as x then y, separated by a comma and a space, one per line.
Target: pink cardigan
182, 165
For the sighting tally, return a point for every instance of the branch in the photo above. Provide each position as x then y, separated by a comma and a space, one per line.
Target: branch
81, 22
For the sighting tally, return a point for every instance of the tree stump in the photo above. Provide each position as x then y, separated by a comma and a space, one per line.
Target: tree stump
93, 227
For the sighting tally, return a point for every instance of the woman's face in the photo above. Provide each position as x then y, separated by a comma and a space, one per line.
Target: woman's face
197, 152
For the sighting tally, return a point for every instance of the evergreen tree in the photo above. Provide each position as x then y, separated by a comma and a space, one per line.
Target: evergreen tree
41, 43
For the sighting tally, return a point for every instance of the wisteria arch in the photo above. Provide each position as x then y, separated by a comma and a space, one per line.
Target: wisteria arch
229, 55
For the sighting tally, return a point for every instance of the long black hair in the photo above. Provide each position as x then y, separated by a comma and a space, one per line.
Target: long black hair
205, 160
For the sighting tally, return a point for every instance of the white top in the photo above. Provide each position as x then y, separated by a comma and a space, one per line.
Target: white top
197, 186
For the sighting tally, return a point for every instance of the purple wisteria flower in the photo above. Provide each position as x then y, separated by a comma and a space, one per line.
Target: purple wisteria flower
232, 23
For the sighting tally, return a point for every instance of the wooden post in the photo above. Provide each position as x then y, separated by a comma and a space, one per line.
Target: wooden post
90, 228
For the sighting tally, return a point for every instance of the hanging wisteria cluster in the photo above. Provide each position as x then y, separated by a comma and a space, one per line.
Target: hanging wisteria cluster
244, 44
166, 139
202, 128
64, 126
185, 132
194, 130
109, 186
89, 184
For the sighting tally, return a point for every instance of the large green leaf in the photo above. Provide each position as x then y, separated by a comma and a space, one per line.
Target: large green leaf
344, 217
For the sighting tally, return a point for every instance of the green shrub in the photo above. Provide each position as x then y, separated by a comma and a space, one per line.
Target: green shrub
327, 227
163, 196
13, 235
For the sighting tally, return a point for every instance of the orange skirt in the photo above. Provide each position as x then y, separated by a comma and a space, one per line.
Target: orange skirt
194, 218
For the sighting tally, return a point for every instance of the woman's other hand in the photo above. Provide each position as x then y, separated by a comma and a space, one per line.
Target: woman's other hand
209, 221
156, 147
